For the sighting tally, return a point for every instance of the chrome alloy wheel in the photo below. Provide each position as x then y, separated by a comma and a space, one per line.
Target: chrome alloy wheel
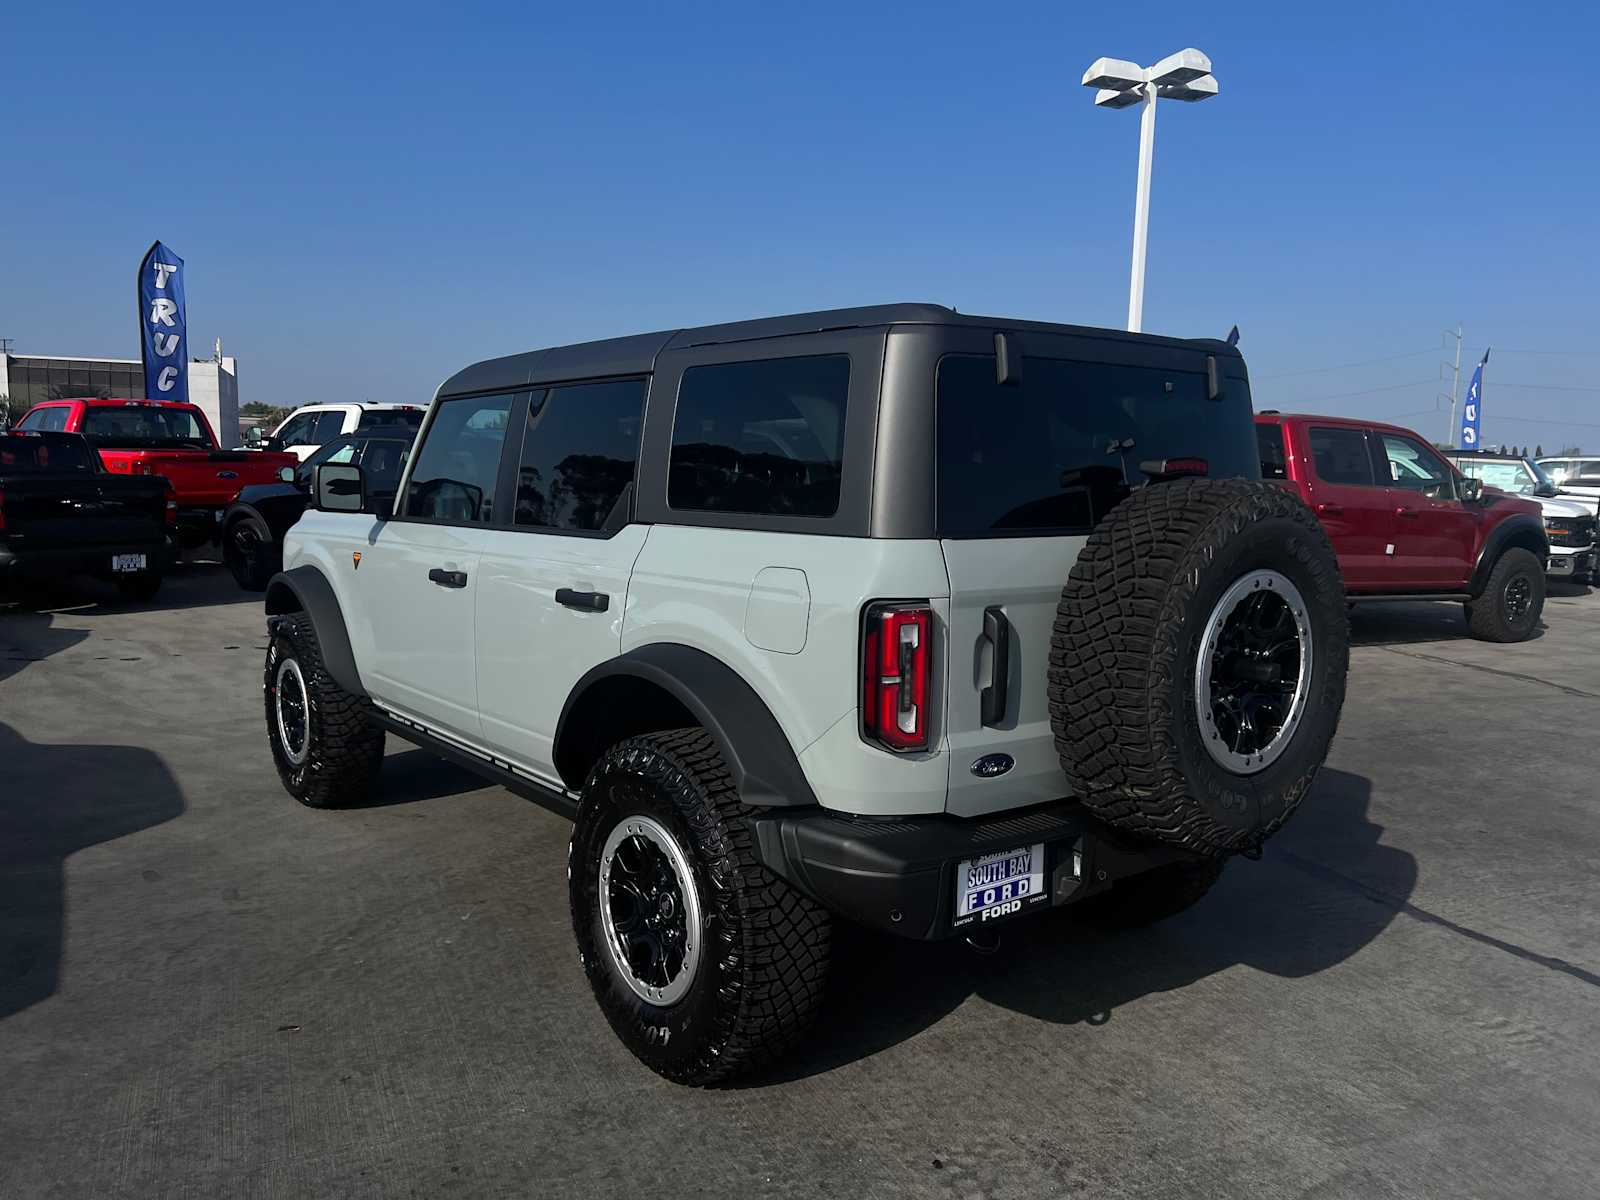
650, 910
293, 710
1253, 672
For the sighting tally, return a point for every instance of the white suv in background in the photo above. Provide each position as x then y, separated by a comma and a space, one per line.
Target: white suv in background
892, 615
312, 426
1578, 478
1569, 523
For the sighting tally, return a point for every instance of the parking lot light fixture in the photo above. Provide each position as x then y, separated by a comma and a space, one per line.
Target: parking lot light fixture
1118, 83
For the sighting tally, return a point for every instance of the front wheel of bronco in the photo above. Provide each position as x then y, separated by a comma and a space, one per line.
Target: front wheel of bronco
328, 753
704, 962
1508, 608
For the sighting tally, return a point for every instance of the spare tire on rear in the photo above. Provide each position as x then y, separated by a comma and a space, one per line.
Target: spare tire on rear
1198, 661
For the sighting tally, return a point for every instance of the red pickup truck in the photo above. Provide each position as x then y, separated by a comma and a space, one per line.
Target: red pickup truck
161, 437
1408, 525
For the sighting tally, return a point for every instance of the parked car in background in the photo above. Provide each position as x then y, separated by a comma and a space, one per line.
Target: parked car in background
62, 513
1569, 523
315, 425
162, 437
1406, 524
254, 525
1578, 478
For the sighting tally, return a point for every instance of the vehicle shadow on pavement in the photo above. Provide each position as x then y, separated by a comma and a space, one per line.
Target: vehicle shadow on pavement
413, 775
187, 585
52, 805
1325, 889
1408, 622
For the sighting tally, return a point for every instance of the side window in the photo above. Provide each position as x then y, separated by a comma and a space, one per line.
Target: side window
298, 431
579, 450
1418, 469
1273, 463
381, 462
47, 420
329, 426
1340, 456
459, 462
345, 453
763, 437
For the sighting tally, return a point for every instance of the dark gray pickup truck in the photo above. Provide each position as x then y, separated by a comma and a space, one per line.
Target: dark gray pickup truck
62, 513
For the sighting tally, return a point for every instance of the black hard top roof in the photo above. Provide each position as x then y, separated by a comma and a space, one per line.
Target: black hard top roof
636, 355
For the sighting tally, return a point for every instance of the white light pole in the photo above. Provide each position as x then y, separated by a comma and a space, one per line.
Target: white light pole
1185, 76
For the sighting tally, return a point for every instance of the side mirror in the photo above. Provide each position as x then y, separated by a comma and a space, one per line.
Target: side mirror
273, 443
1547, 489
339, 488
286, 474
252, 436
1471, 490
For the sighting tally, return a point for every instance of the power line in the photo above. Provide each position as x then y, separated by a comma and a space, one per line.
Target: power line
1369, 391
1543, 387
1366, 362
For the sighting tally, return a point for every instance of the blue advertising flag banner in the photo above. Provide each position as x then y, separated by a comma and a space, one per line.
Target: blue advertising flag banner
1472, 410
165, 345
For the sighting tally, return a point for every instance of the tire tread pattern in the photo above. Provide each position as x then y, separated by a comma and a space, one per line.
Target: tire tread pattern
347, 747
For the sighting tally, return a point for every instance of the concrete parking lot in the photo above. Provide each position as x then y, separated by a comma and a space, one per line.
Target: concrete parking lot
207, 990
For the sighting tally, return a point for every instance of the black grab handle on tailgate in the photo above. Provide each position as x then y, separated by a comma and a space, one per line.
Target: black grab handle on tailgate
997, 632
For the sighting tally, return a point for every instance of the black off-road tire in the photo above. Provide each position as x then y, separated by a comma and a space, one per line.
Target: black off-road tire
343, 748
764, 959
246, 548
1124, 654
140, 587
1152, 896
1489, 615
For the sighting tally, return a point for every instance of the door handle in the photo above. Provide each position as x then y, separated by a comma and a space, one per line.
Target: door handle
583, 601
1403, 511
992, 700
449, 579
1330, 510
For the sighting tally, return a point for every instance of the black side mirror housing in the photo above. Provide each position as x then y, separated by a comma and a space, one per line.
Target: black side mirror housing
1471, 490
1547, 489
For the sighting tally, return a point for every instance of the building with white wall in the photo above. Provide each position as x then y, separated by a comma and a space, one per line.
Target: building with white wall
213, 384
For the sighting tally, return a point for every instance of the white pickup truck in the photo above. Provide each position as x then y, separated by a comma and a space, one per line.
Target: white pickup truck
312, 426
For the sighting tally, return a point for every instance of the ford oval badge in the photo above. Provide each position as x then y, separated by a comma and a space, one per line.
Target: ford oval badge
992, 766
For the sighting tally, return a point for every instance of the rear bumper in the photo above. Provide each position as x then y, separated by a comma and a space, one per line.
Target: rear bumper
56, 562
899, 874
198, 525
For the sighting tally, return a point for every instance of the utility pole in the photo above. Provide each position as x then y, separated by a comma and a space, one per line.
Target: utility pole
1455, 387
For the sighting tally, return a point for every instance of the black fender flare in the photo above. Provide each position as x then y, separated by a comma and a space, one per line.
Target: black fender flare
1519, 529
764, 766
306, 589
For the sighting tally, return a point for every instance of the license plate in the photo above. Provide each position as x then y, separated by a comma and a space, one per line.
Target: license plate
999, 885
127, 562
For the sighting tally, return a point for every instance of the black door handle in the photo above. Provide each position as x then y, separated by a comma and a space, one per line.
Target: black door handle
449, 579
587, 601
992, 700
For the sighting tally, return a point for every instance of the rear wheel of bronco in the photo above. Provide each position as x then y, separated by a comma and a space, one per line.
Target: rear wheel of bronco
327, 752
1508, 608
704, 962
1198, 662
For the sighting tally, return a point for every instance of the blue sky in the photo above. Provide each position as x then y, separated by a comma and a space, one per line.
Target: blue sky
369, 197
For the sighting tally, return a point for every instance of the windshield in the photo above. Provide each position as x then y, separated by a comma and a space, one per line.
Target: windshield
1518, 476
1056, 450
144, 425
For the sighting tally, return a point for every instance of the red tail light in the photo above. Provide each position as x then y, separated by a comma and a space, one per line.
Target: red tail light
172, 506
896, 652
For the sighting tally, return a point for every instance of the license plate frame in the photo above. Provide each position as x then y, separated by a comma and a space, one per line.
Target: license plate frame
1000, 884
129, 564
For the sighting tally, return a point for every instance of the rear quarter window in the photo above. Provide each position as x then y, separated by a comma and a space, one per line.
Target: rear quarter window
764, 437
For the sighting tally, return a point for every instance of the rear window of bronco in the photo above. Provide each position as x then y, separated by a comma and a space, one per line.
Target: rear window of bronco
1054, 452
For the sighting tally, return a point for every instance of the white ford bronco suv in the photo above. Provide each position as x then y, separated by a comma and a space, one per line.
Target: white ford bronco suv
891, 615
